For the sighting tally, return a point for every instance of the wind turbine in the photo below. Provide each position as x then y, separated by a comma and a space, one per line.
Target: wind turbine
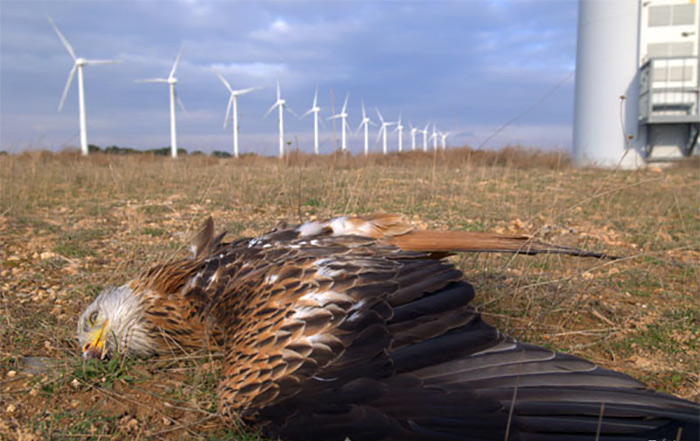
399, 130
233, 105
171, 81
282, 105
78, 63
425, 137
343, 122
413, 136
314, 109
366, 123
443, 139
382, 130
434, 137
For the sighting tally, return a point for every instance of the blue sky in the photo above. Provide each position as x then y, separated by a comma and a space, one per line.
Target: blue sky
468, 66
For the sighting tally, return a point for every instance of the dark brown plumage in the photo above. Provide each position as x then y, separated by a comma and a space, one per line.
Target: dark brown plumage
354, 327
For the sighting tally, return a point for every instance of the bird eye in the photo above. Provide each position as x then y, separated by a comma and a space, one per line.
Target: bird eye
92, 318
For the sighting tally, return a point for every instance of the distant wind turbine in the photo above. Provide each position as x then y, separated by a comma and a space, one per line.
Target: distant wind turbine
282, 106
78, 64
233, 106
425, 137
443, 139
382, 130
171, 81
434, 137
343, 122
399, 130
314, 109
413, 136
366, 122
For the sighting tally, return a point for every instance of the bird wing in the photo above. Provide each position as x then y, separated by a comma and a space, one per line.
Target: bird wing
331, 335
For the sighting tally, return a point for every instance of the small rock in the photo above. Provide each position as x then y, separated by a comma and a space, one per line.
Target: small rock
11, 374
11, 408
47, 255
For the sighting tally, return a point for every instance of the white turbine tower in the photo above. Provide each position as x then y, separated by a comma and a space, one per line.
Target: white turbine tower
343, 122
399, 130
171, 81
233, 106
382, 130
366, 123
78, 64
443, 139
282, 105
413, 136
314, 109
425, 137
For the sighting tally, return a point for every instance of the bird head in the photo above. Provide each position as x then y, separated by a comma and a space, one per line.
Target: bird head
113, 323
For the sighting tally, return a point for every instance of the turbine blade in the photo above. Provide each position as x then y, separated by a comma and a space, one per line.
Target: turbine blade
67, 88
63, 39
223, 80
364, 113
94, 62
345, 104
279, 93
308, 112
229, 106
271, 109
379, 134
379, 115
315, 98
152, 80
244, 91
363, 122
288, 109
179, 102
177, 62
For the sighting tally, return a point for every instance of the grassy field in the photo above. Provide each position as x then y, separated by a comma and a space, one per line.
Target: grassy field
71, 226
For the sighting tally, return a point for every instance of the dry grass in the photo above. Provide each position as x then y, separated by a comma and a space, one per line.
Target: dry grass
71, 226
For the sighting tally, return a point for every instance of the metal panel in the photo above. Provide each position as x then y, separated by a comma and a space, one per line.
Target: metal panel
660, 15
663, 50
684, 14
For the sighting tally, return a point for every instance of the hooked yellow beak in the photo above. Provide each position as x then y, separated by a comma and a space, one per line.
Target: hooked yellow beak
94, 349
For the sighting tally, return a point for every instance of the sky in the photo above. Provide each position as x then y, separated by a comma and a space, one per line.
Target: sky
467, 66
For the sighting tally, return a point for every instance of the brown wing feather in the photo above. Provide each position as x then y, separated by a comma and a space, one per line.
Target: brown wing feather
465, 241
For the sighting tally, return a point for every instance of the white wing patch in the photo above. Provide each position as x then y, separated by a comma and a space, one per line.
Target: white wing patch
310, 229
